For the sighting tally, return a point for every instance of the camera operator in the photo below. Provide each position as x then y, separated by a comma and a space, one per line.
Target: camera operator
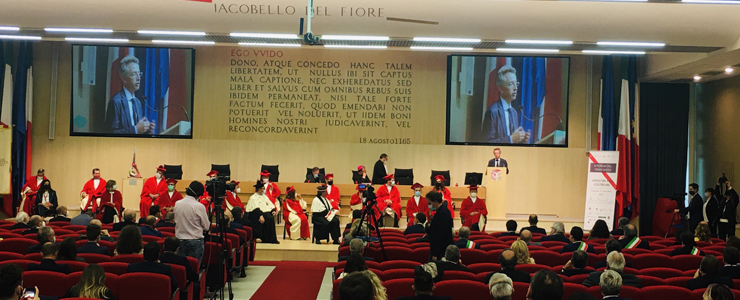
263, 212
191, 220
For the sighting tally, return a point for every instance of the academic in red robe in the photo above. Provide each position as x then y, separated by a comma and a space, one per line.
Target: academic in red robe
108, 201
468, 207
383, 194
356, 199
29, 205
412, 208
92, 192
232, 200
292, 206
165, 200
333, 196
151, 186
272, 191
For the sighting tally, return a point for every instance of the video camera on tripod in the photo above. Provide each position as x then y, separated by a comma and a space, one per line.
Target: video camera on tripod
218, 186
368, 196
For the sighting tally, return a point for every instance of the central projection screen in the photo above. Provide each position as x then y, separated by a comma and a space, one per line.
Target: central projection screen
507, 100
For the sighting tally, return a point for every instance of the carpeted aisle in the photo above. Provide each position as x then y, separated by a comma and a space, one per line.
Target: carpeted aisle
295, 280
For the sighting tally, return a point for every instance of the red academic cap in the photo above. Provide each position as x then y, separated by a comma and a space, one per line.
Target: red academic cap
416, 185
161, 169
328, 176
235, 182
388, 177
172, 181
439, 177
473, 187
212, 173
359, 189
290, 189
264, 173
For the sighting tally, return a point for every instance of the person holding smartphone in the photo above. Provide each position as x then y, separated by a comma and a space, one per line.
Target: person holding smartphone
11, 284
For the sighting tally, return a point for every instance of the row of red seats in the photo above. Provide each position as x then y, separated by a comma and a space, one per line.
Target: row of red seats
148, 286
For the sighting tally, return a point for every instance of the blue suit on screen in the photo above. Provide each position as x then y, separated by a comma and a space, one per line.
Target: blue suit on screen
495, 123
118, 115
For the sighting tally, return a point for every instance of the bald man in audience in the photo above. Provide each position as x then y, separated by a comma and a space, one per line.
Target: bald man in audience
45, 235
104, 236
61, 215
48, 260
631, 240
501, 287
533, 220
526, 236
614, 262
507, 259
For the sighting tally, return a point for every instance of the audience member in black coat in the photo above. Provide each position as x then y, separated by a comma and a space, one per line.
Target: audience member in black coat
463, 242
711, 210
450, 262
418, 226
423, 288
507, 259
151, 265
688, 246
557, 234
695, 210
128, 219
577, 264
612, 245
61, 215
170, 256
45, 234
241, 218
356, 246
511, 226
48, 263
533, 220
615, 262
92, 246
707, 274
440, 231
630, 238
623, 221
577, 243
731, 256
168, 221
153, 211
34, 224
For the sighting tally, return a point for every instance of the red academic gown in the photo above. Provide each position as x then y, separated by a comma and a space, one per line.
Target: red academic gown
165, 200
412, 208
272, 191
382, 194
30, 205
295, 205
232, 200
106, 202
448, 197
151, 187
92, 192
355, 200
468, 207
333, 197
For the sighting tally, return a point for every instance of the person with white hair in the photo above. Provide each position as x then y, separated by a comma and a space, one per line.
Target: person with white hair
21, 221
501, 287
557, 233
125, 114
614, 262
611, 284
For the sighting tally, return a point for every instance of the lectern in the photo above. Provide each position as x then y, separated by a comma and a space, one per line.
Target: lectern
495, 182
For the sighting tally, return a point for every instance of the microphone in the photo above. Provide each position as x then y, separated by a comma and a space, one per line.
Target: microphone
144, 98
520, 108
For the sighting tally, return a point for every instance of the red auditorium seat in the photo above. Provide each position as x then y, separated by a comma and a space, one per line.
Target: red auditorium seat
699, 294
506, 239
387, 244
167, 229
64, 231
597, 241
577, 279
493, 254
484, 268
118, 268
473, 256
396, 274
9, 256
480, 277
664, 292
16, 245
663, 273
93, 258
6, 226
413, 236
712, 252
536, 248
462, 289
568, 289
717, 241
736, 293
73, 227
399, 288
51, 283
518, 286
489, 247
651, 238
599, 250
33, 256
398, 253
532, 268
420, 255
396, 239
148, 238
458, 275
343, 251
398, 264
30, 236
678, 281
75, 266
635, 251
335, 288
148, 286
657, 246
182, 279
666, 242
18, 230
700, 244
646, 280
419, 245
651, 260
664, 251
735, 283
549, 244
58, 223
548, 258
686, 262
555, 249
483, 237
129, 258
7, 235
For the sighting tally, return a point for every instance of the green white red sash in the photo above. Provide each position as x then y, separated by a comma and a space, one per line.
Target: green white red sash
633, 243
582, 246
470, 245
694, 251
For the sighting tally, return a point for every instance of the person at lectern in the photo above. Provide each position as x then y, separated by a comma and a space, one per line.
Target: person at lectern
416, 204
501, 119
497, 161
389, 201
439, 186
472, 209
314, 177
261, 209
124, 114
380, 171
325, 219
153, 187
92, 190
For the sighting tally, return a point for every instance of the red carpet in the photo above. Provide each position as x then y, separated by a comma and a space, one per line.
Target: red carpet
295, 280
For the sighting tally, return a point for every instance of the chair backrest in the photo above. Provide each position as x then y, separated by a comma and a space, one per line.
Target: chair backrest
9, 256
396, 274
274, 172
399, 287
51, 283
8, 234
458, 275
663, 273
577, 279
646, 280
664, 292
473, 256
148, 286
397, 264
150, 238
548, 258
399, 253
650, 260
569, 288
33, 256
446, 174
94, 258
128, 258
16, 245
20, 262
462, 289
404, 176
181, 275
686, 262
484, 268
531, 268
118, 268
678, 281
69, 229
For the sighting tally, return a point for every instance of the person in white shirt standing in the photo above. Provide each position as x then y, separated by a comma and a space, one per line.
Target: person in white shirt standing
191, 221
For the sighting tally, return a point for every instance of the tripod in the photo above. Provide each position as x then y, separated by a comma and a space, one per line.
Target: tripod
223, 256
368, 213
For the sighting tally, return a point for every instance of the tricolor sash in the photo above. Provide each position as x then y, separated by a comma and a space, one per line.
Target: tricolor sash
633, 243
470, 245
582, 246
694, 251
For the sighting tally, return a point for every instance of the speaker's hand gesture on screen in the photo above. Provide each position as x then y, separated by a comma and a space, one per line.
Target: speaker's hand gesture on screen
152, 126
142, 126
519, 135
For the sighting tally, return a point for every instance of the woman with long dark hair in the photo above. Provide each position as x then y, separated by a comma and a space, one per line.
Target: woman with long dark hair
91, 285
46, 199
68, 250
599, 231
129, 241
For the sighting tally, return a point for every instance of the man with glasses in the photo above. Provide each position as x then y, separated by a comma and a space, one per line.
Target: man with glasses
502, 120
125, 114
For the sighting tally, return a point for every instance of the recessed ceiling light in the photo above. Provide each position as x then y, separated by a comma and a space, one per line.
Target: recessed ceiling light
711, 1
82, 30
269, 44
729, 70
95, 40
354, 37
445, 40
527, 50
356, 46
171, 32
540, 42
697, 77
442, 48
183, 42
9, 28
606, 52
631, 44
265, 35
20, 37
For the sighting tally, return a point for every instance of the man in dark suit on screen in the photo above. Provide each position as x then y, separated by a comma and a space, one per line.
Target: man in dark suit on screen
124, 114
502, 120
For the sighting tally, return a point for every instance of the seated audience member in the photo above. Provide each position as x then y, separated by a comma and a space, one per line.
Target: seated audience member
576, 242
263, 211
232, 227
168, 221
623, 221
423, 287
501, 287
355, 263
582, 296
91, 285
418, 226
533, 220
34, 224
356, 214
511, 226
451, 262
702, 233
357, 286
48, 260
83, 219
240, 217
733, 241
522, 253
614, 262
577, 264
129, 241
92, 235
153, 211
170, 256
104, 236
11, 283
21, 221
425, 238
546, 285
688, 246
707, 274
610, 283
129, 216
151, 264
718, 292
599, 231
148, 228
507, 259
356, 230
68, 250
731, 256
630, 240
557, 234
526, 236
612, 245
463, 242
45, 235
356, 246
61, 215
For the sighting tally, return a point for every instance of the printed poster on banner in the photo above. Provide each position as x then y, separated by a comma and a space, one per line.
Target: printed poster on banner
601, 189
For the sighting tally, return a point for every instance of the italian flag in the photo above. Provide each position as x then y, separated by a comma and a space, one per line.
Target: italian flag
694, 251
633, 243
582, 246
